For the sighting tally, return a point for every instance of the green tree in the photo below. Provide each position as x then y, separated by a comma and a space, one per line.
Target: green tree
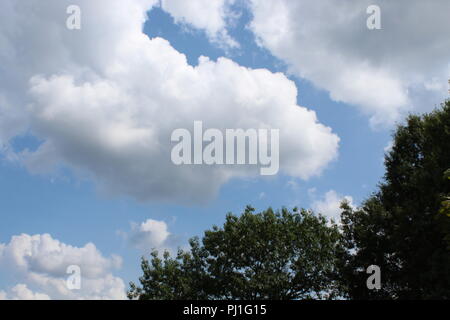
401, 228
269, 255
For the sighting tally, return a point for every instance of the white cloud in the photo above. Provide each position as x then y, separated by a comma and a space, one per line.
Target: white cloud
329, 204
41, 262
152, 235
211, 16
105, 100
402, 67
149, 234
22, 292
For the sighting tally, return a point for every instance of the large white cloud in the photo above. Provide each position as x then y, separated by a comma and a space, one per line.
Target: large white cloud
105, 100
402, 67
41, 262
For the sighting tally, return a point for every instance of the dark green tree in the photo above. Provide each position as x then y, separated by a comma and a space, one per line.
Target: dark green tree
182, 278
402, 228
269, 255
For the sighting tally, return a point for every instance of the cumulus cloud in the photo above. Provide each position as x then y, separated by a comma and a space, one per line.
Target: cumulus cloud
152, 235
22, 292
402, 67
41, 262
211, 16
149, 234
105, 99
329, 204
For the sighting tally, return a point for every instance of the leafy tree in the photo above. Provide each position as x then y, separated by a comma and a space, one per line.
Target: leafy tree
182, 278
269, 255
402, 228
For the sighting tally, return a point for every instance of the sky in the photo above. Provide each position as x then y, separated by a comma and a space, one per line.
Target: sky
86, 116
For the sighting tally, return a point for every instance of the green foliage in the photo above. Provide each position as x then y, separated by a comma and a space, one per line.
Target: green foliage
401, 228
269, 255
182, 278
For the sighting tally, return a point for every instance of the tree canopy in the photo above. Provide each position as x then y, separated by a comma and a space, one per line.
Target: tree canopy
404, 227
268, 255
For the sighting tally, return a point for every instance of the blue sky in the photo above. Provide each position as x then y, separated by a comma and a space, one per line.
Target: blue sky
71, 208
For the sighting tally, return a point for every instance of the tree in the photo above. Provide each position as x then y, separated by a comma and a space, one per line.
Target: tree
182, 278
402, 228
269, 255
